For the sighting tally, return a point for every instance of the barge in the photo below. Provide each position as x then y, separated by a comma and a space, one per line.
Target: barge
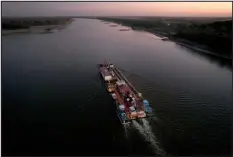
130, 104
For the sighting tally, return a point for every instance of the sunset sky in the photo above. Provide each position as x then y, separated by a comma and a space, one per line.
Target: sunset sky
117, 9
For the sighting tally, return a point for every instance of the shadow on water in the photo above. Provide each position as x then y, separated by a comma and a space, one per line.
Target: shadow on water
221, 62
126, 131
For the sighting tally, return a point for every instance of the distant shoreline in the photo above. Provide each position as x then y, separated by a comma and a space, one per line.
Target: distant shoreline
32, 29
191, 46
18, 31
34, 25
178, 41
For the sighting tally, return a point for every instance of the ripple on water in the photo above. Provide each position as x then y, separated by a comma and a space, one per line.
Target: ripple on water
188, 113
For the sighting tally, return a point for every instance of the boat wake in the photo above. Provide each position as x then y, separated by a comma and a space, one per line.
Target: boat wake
126, 129
153, 116
146, 130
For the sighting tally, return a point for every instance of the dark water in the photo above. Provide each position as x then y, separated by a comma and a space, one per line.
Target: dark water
53, 102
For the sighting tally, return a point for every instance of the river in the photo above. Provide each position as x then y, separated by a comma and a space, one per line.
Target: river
53, 101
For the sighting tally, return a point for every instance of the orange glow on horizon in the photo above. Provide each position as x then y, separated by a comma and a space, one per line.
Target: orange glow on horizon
159, 8
201, 9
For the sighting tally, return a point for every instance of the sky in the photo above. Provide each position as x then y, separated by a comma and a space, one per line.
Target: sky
200, 9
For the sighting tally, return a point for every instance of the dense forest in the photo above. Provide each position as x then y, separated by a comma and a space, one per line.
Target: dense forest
216, 35
24, 23
144, 23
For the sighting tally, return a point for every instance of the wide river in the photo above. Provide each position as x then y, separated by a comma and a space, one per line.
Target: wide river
53, 101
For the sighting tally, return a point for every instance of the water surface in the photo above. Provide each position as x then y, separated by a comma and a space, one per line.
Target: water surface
55, 104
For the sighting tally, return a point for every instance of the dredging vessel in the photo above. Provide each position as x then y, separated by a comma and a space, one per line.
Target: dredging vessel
129, 102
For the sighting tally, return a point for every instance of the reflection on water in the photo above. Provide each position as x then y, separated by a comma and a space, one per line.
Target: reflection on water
222, 62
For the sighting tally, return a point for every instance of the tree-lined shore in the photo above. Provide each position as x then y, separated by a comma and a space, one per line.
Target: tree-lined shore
214, 34
26, 23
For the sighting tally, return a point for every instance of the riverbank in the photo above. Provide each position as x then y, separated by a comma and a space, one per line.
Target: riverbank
33, 29
10, 32
188, 44
13, 26
201, 49
171, 37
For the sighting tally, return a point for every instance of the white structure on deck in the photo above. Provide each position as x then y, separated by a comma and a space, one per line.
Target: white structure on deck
120, 82
114, 96
111, 66
107, 76
132, 109
122, 107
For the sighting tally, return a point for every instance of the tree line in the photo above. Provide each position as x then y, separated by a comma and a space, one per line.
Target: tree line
24, 23
216, 35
